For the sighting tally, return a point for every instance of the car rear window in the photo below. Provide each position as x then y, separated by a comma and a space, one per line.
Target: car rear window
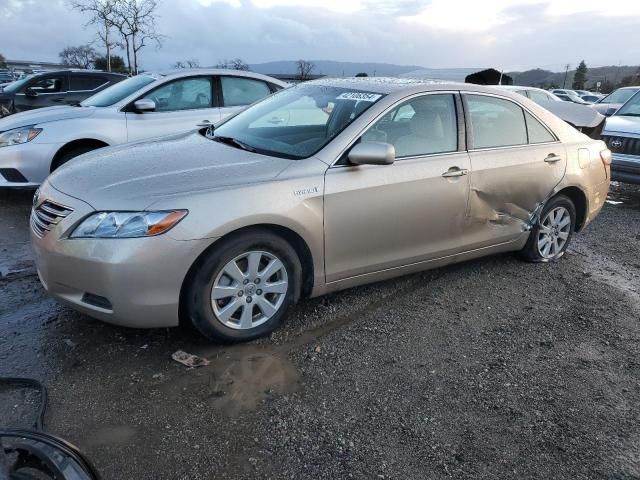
85, 82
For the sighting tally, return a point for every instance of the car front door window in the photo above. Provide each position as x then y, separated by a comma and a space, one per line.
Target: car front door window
183, 94
424, 125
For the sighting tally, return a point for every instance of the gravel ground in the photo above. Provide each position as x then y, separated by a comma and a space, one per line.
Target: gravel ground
488, 369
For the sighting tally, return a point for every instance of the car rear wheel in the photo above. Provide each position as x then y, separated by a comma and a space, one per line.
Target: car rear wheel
551, 236
243, 288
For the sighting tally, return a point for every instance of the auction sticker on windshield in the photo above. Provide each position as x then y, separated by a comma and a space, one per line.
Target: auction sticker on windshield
362, 96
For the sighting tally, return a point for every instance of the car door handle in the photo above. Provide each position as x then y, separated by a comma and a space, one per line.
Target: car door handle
552, 158
455, 172
58, 100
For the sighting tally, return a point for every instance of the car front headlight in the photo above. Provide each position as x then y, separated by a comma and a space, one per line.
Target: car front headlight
127, 224
18, 136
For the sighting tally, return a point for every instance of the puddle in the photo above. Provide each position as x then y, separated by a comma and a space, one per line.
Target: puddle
241, 377
624, 195
238, 379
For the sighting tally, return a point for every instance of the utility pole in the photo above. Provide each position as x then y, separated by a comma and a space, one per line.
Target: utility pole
566, 72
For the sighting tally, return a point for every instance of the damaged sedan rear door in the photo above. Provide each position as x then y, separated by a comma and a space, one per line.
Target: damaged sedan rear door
516, 162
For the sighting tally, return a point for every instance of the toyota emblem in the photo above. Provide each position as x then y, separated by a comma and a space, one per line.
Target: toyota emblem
615, 143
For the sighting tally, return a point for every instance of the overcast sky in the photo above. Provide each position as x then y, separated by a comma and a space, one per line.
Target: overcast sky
508, 34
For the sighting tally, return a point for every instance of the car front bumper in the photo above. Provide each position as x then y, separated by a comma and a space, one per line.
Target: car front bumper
625, 168
133, 282
26, 165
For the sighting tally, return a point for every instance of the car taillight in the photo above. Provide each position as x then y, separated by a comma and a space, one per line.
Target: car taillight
605, 156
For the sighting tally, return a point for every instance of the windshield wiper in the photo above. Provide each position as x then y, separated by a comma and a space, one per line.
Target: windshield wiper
233, 142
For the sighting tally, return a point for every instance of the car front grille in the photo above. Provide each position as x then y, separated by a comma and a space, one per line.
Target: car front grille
46, 216
622, 145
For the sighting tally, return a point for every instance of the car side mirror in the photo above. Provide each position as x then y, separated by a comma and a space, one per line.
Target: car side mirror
30, 92
372, 153
610, 111
144, 105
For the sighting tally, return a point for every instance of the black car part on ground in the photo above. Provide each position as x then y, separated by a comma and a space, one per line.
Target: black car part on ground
36, 455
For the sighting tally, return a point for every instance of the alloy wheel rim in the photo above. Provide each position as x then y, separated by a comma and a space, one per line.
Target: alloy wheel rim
249, 290
554, 232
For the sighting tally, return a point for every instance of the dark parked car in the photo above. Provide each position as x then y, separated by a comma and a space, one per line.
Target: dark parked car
64, 87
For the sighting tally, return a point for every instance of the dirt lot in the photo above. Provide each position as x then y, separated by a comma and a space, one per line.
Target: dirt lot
488, 369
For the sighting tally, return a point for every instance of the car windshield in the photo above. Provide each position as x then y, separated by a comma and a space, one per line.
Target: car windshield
15, 86
619, 96
119, 91
632, 107
297, 122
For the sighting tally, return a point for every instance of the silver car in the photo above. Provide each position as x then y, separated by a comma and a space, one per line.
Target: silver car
608, 105
320, 187
622, 135
35, 143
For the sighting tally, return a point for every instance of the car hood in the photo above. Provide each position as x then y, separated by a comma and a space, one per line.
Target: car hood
134, 176
582, 117
622, 124
44, 115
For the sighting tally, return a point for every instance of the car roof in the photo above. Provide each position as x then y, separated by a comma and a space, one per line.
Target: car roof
77, 70
185, 72
387, 85
520, 87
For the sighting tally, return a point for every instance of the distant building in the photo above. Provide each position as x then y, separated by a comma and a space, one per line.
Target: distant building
28, 66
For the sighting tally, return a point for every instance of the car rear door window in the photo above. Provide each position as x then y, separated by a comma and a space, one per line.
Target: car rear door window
538, 133
421, 126
81, 83
238, 91
183, 94
495, 122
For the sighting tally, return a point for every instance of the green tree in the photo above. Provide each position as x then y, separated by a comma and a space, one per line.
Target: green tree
362, 74
3, 61
117, 64
580, 77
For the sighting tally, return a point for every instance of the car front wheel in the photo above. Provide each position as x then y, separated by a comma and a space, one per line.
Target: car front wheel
550, 237
243, 288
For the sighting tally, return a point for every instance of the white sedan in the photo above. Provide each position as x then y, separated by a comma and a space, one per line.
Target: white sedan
34, 143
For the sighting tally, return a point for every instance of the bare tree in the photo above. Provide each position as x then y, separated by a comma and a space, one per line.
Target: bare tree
304, 69
135, 20
192, 63
102, 13
82, 56
235, 64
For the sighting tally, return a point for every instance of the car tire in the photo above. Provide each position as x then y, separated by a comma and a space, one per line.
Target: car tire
231, 304
71, 154
550, 237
